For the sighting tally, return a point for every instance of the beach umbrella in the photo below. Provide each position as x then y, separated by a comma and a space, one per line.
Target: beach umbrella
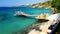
54, 17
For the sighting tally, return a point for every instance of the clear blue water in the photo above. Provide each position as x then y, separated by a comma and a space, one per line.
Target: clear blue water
10, 24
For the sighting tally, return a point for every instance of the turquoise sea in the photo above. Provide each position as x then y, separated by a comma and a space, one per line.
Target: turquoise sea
10, 24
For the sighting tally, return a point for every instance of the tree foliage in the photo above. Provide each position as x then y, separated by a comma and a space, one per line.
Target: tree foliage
56, 4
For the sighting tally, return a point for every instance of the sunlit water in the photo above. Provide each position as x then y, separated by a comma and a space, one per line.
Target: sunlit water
9, 23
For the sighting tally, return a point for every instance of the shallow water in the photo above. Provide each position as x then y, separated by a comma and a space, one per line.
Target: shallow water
10, 24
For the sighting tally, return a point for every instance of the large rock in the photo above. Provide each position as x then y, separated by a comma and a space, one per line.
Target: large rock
54, 17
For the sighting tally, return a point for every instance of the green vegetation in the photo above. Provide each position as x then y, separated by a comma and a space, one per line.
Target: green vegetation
56, 4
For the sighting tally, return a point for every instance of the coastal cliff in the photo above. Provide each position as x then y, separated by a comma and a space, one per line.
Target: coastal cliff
42, 5
46, 5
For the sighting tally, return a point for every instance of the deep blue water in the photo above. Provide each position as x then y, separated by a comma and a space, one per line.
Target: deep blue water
10, 24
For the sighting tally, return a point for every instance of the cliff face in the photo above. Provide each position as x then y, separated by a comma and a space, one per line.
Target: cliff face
41, 5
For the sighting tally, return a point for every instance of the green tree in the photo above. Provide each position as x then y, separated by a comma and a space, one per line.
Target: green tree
56, 4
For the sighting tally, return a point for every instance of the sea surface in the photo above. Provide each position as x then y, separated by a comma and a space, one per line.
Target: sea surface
10, 24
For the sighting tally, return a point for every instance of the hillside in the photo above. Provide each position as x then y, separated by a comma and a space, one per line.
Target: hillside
47, 5
42, 5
